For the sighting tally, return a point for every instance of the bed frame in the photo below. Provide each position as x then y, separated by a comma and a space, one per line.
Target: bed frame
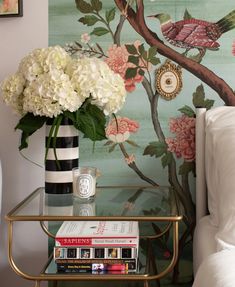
201, 190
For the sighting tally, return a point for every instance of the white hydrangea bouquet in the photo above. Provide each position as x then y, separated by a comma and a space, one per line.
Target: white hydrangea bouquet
50, 83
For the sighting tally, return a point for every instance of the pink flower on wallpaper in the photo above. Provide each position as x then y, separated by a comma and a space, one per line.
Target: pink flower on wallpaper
233, 48
120, 131
118, 61
85, 38
130, 159
183, 144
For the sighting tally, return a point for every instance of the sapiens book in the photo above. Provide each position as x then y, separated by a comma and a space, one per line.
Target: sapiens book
130, 264
98, 233
110, 252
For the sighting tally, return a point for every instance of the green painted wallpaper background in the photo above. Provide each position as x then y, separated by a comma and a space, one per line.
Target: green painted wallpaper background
64, 29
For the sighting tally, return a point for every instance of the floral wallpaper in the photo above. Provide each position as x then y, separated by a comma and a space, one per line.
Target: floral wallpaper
152, 139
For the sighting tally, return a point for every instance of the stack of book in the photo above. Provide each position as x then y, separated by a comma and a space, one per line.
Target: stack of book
97, 247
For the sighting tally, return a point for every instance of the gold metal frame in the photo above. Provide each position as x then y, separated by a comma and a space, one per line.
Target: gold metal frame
45, 229
172, 222
165, 76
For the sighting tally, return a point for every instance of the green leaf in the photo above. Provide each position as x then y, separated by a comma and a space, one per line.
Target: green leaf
145, 55
99, 31
155, 61
112, 147
141, 72
108, 143
131, 49
110, 15
134, 60
186, 110
131, 73
89, 20
187, 167
90, 120
83, 6
199, 96
29, 124
152, 52
55, 133
99, 47
187, 15
70, 116
96, 5
156, 149
132, 143
78, 44
24, 140
166, 159
199, 100
141, 49
208, 104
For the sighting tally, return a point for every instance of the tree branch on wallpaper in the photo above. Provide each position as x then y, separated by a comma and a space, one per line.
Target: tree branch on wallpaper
131, 163
139, 61
117, 33
134, 63
137, 21
184, 195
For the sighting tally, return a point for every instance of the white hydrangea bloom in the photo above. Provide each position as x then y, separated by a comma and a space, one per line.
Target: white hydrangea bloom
31, 66
49, 82
109, 93
92, 77
55, 58
81, 75
12, 92
51, 94
42, 61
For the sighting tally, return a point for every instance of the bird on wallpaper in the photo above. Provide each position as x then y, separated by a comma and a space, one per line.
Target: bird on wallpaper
194, 33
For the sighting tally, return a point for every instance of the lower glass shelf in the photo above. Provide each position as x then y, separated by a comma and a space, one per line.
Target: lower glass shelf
51, 269
150, 266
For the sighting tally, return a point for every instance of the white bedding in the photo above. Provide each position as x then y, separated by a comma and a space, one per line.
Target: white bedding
204, 241
214, 239
217, 270
220, 130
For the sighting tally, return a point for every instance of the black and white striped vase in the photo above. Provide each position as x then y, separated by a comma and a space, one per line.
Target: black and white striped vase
59, 180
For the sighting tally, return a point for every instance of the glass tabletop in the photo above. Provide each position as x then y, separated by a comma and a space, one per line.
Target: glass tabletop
116, 202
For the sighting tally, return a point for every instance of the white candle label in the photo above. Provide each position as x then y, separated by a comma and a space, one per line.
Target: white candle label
85, 186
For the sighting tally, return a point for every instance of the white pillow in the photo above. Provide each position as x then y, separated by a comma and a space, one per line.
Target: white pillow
220, 125
216, 270
225, 237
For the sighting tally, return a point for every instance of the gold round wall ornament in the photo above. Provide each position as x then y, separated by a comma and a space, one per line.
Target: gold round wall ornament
168, 80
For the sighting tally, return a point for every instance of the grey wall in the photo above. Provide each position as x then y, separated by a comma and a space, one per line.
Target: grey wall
18, 36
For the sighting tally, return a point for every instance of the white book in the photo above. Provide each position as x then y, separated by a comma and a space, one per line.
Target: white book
98, 233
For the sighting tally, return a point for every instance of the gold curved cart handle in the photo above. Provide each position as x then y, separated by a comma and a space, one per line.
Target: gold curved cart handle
45, 229
59, 277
